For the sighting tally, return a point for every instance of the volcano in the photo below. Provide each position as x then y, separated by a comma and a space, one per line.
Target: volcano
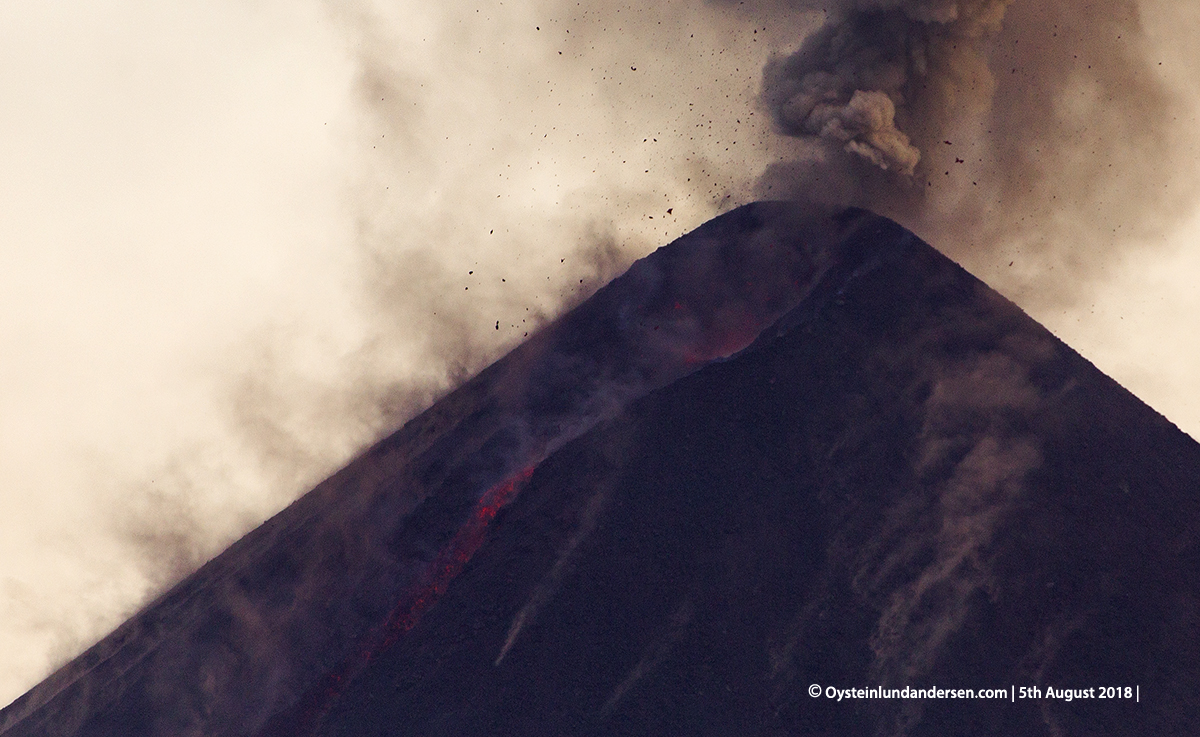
794, 473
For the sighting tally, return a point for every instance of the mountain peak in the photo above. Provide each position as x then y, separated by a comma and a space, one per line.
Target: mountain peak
793, 447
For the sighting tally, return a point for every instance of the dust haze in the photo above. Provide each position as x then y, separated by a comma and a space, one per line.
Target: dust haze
443, 179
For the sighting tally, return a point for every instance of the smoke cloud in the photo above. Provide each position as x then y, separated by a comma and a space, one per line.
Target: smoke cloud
880, 68
1034, 142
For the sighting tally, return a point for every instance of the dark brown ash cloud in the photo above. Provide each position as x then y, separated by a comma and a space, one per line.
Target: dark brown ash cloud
873, 73
1038, 134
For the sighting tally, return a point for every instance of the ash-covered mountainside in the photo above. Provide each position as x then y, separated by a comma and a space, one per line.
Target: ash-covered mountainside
792, 448
309, 596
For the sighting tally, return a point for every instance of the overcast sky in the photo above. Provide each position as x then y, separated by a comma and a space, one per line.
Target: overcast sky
241, 239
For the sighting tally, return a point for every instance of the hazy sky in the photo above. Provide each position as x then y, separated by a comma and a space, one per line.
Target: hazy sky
241, 239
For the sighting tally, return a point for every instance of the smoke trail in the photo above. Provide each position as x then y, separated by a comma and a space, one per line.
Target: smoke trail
653, 655
552, 580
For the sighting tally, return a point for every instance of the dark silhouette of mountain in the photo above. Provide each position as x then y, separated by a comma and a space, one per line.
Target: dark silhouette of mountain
791, 449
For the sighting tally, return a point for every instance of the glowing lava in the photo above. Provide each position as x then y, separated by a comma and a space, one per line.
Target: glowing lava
449, 562
453, 557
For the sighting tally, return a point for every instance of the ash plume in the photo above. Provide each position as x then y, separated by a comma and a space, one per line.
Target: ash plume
1039, 135
879, 68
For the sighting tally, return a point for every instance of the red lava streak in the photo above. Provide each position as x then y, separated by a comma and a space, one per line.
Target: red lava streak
449, 562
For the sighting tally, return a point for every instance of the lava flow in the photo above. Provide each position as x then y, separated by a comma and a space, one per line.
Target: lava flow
404, 616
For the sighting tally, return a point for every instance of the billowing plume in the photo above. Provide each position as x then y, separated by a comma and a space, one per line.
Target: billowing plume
857, 82
1037, 143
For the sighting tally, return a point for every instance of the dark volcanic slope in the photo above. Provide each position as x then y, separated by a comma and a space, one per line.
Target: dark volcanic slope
913, 485
903, 481
306, 599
